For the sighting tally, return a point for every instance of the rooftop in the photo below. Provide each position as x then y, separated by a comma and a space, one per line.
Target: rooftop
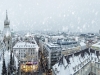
72, 63
96, 46
52, 45
25, 45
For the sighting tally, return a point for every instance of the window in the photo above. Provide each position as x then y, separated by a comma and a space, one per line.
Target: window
95, 59
74, 68
8, 42
77, 66
80, 65
8, 48
98, 66
92, 58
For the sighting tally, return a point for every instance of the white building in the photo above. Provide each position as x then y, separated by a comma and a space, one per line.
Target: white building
26, 52
52, 52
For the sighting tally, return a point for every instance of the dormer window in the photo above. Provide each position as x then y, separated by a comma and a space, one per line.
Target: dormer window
56, 70
80, 65
74, 68
83, 64
77, 66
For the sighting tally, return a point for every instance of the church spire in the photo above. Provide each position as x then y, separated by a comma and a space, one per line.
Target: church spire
6, 15
6, 22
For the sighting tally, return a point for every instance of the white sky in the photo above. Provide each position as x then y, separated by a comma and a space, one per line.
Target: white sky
53, 15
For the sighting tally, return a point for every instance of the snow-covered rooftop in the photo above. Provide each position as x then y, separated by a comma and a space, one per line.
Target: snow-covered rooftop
69, 65
52, 45
25, 45
82, 44
96, 45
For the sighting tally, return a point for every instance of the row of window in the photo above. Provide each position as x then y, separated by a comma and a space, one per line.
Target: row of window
23, 51
85, 70
25, 46
81, 64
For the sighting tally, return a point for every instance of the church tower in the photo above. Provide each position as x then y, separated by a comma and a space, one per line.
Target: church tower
7, 34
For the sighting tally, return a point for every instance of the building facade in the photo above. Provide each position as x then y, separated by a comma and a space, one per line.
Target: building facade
52, 52
27, 53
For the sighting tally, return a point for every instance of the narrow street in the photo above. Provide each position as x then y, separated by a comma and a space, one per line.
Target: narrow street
41, 68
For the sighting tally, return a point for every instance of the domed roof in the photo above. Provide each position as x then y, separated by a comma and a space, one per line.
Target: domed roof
6, 22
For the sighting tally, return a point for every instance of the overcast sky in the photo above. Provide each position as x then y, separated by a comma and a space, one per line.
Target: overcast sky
51, 15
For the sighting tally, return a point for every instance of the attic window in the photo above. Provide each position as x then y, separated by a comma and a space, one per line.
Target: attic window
80, 65
56, 70
77, 66
83, 63
74, 68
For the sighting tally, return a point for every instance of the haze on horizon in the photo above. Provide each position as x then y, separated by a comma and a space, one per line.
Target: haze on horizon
51, 15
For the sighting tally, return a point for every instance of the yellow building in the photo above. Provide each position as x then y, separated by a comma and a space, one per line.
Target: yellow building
29, 67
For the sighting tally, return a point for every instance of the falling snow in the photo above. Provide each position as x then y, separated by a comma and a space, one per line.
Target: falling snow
36, 15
